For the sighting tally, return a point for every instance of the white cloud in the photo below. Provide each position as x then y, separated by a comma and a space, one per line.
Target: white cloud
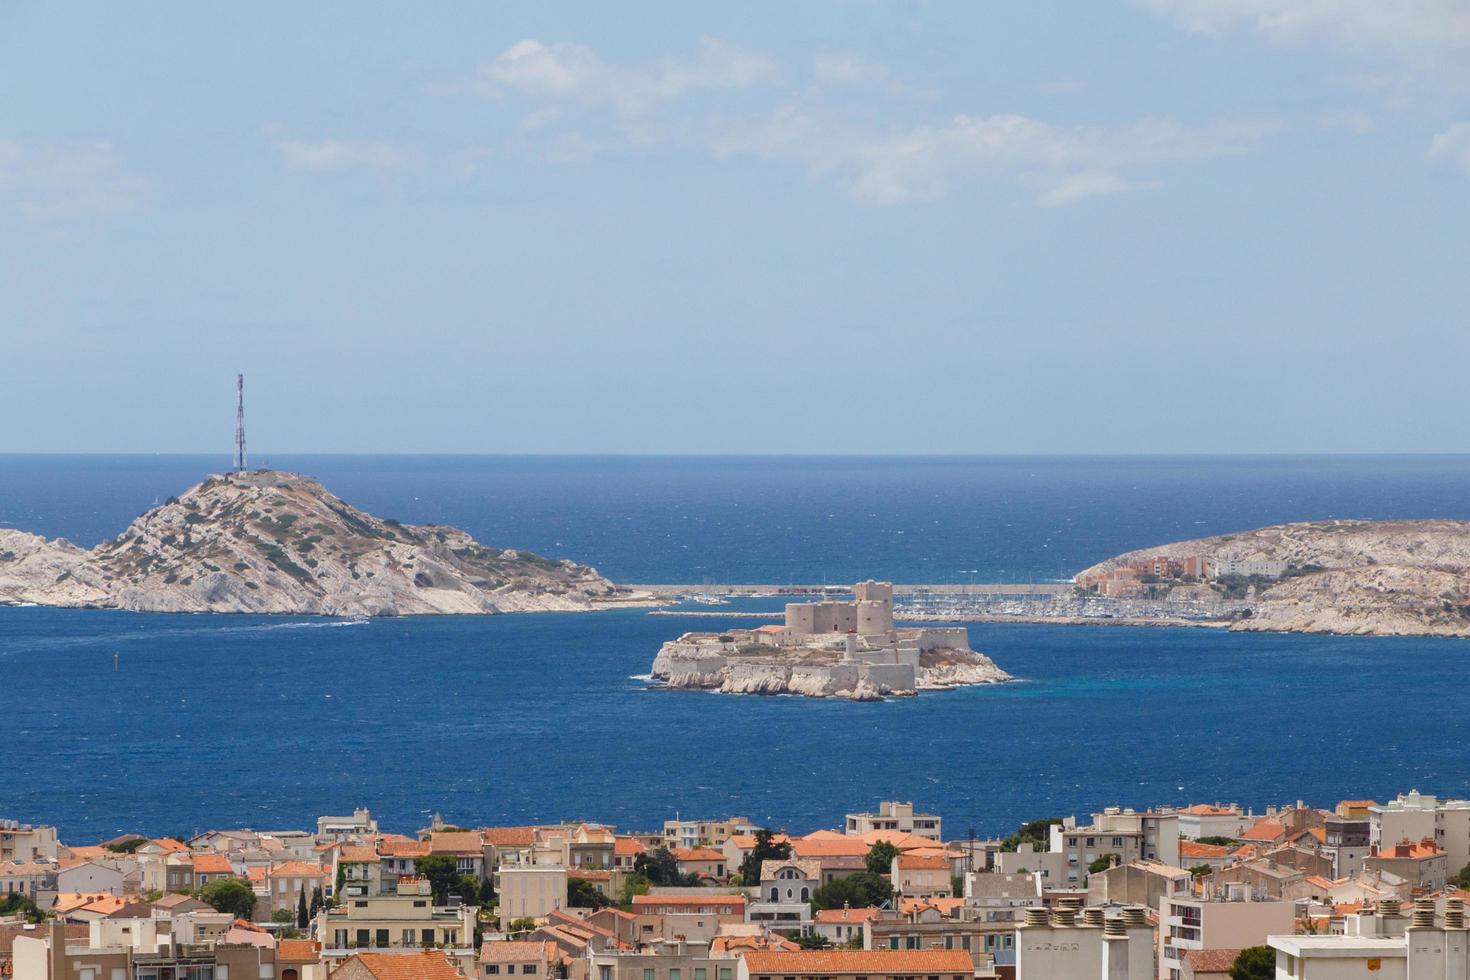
56, 184
333, 154
1061, 165
574, 74
1409, 29
1451, 149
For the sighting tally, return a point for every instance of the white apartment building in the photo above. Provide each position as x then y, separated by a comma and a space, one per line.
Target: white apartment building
893, 815
530, 891
1231, 922
1213, 820
1416, 816
1385, 945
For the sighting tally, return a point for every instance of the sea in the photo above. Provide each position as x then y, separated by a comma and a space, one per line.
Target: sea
115, 722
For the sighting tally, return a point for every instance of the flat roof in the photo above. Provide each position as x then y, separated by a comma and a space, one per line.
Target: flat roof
1327, 947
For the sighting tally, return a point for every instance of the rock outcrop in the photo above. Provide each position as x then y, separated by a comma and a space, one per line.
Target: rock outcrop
1379, 578
269, 542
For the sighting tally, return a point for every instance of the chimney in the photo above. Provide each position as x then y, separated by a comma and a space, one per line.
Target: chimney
1454, 913
1092, 916
1035, 917
1115, 947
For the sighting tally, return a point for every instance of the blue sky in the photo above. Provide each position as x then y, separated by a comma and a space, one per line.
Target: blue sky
1102, 226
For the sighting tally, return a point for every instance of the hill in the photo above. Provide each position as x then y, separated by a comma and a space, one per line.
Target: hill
271, 542
1387, 578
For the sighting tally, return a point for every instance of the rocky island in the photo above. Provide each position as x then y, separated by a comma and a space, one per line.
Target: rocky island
273, 542
828, 649
1378, 578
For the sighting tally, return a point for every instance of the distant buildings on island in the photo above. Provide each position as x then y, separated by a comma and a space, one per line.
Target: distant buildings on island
1362, 890
1132, 578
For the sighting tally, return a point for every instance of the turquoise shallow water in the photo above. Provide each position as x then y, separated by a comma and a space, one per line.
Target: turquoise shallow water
268, 721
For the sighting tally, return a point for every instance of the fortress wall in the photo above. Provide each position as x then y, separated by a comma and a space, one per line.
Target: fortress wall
894, 677
934, 637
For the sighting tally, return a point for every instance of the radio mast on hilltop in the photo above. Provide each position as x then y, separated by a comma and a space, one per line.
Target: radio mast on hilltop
240, 423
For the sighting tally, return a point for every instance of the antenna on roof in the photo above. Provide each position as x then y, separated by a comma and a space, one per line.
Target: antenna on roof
240, 424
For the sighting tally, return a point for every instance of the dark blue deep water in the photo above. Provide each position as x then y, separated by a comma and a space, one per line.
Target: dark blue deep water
268, 721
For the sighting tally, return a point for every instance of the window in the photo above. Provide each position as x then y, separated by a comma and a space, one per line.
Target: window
510, 968
381, 938
699, 973
491, 969
725, 973
893, 942
674, 974
428, 937
529, 968
362, 937
647, 975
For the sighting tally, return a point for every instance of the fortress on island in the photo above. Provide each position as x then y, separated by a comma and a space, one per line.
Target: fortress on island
828, 649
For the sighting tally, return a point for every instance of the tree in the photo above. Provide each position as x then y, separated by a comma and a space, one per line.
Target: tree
813, 940
16, 903
634, 884
442, 873
522, 925
1202, 870
303, 917
1033, 832
229, 895
766, 849
1103, 863
281, 916
660, 867
1217, 841
126, 846
880, 857
316, 900
1254, 963
582, 894
858, 891
1462, 880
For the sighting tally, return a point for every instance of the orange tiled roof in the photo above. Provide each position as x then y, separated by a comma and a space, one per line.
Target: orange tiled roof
404, 848
846, 915
212, 864
1211, 960
1409, 849
298, 950
1264, 830
629, 846
809, 962
88, 851
456, 842
697, 854
509, 836
428, 965
899, 839
922, 862
1194, 849
838, 846
517, 951
357, 854
170, 845
1208, 810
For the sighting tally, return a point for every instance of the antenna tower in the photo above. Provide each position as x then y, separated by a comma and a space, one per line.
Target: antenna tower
240, 423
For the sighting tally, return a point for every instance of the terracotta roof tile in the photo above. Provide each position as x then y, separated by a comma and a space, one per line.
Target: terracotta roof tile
517, 951
427, 965
809, 962
298, 950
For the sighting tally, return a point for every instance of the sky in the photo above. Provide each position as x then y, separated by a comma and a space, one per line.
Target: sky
1103, 226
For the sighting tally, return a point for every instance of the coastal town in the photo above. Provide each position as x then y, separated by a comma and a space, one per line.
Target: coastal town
1362, 888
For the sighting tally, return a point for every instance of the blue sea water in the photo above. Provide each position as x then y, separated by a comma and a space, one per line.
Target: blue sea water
268, 721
